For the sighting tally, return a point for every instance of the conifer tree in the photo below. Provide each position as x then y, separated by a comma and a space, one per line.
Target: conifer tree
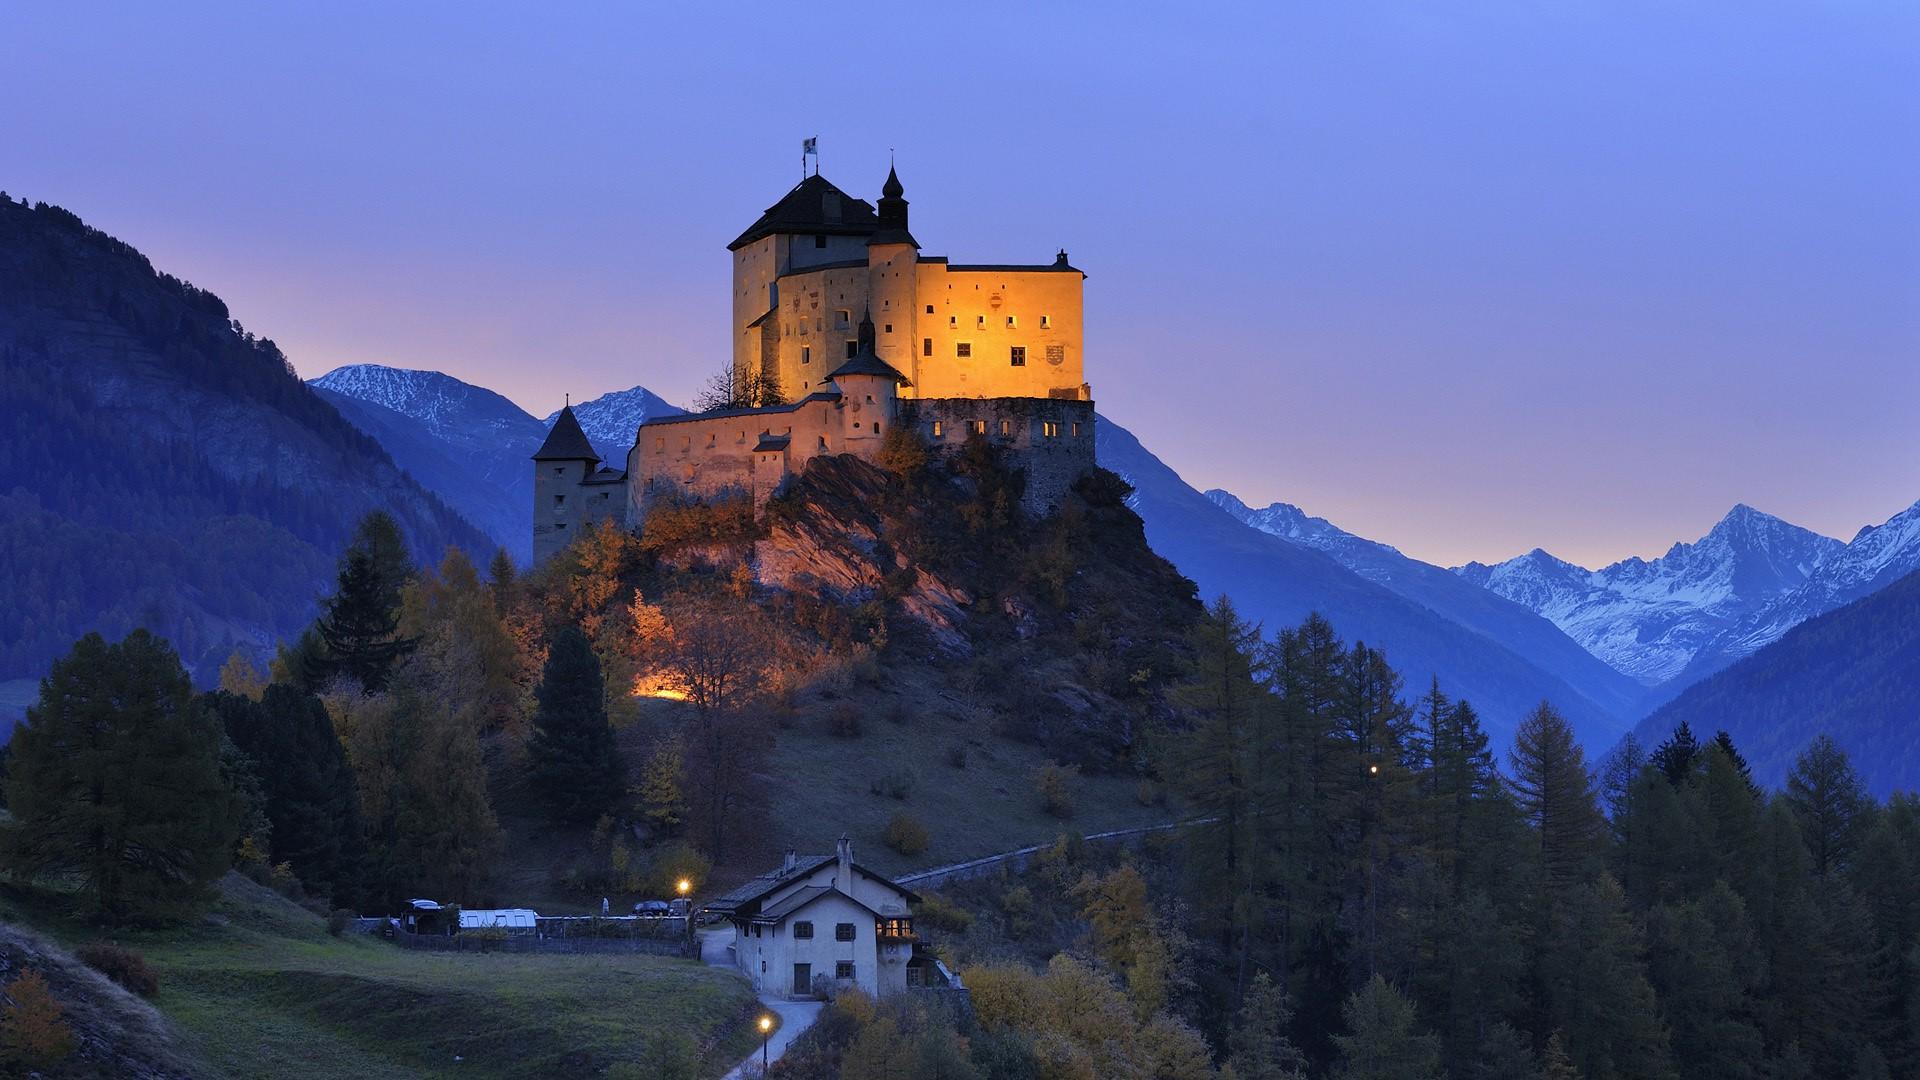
115, 781
1829, 800
501, 576
309, 792
1384, 1040
1257, 1044
572, 758
1551, 783
1704, 969
1593, 974
361, 623
1676, 757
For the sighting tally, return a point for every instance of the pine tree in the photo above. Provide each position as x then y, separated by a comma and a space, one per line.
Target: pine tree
572, 758
115, 781
360, 626
1257, 1044
1551, 783
310, 797
1384, 1041
1705, 969
1829, 800
1676, 757
1592, 973
501, 576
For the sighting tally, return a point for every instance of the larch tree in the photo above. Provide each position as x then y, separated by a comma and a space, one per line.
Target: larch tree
1829, 801
1384, 1040
1552, 785
115, 781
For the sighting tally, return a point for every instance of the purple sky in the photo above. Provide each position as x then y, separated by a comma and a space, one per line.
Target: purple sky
1467, 278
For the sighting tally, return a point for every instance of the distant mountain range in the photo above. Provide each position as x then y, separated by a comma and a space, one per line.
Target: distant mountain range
162, 467
1852, 672
471, 446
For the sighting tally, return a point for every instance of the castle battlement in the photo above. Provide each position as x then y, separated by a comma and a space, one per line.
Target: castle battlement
835, 306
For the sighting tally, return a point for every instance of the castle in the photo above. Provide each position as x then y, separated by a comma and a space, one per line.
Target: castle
835, 307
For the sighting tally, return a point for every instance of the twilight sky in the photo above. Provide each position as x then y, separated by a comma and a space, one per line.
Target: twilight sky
1467, 278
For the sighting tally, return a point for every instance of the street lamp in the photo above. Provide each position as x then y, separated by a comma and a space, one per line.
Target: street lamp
766, 1034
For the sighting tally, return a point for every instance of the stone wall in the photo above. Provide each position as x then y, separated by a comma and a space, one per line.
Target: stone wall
1051, 439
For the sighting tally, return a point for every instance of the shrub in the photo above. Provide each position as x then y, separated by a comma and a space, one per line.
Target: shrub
894, 785
338, 921
906, 835
32, 1031
957, 756
942, 914
843, 720
1054, 785
1148, 793
124, 966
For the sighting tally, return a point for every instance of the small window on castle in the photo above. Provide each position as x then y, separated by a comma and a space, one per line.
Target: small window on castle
823, 442
602, 496
559, 501
926, 346
976, 427
842, 318
1018, 357
819, 240
980, 322
876, 429
1076, 431
806, 354
1013, 322
929, 309
1006, 427
939, 429
559, 470
1046, 322
1050, 430
660, 443
953, 321
889, 328
852, 348
963, 348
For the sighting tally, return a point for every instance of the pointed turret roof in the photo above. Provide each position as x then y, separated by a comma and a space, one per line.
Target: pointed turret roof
813, 206
566, 442
892, 189
865, 361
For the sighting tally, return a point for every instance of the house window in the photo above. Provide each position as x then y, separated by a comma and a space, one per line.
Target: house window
843, 931
1046, 322
1013, 322
819, 240
976, 427
963, 348
843, 970
852, 348
926, 346
802, 930
1050, 430
806, 354
1018, 357
939, 429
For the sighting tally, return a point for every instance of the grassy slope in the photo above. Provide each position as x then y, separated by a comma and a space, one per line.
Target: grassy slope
260, 990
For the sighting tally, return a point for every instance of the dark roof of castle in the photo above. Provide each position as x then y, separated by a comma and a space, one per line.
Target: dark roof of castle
867, 362
892, 189
813, 206
566, 442
770, 443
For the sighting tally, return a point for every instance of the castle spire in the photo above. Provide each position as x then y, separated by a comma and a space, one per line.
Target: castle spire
866, 332
893, 210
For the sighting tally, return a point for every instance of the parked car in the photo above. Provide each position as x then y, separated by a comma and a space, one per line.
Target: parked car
653, 909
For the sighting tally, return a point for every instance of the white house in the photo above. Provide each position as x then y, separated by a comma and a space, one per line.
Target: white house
824, 920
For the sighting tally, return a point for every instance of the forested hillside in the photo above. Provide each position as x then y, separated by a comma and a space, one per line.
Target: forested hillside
1853, 673
162, 466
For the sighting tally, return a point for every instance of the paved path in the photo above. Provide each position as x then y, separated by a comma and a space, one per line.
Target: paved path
795, 1016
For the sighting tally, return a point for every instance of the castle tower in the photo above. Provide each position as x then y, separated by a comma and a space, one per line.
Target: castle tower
893, 258
561, 469
869, 394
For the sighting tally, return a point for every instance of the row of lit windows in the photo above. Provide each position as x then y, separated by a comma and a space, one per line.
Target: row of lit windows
1049, 429
843, 320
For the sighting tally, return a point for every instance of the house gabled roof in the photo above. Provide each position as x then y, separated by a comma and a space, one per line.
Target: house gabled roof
866, 362
744, 901
566, 442
813, 206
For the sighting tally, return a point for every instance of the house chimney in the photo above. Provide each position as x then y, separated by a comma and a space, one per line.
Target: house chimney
792, 860
844, 877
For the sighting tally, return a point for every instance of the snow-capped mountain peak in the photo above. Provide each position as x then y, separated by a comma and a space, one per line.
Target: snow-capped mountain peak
1289, 522
611, 420
447, 407
1650, 618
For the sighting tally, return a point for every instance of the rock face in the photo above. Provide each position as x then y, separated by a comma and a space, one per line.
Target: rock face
162, 467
